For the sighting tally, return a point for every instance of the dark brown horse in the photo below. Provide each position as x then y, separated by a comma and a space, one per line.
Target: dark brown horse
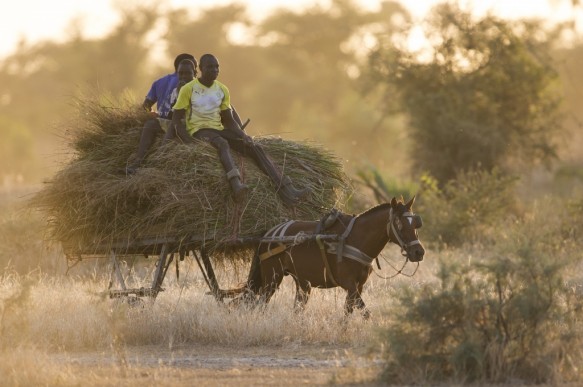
337, 251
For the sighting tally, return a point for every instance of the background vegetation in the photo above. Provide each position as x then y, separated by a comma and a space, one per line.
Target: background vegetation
484, 126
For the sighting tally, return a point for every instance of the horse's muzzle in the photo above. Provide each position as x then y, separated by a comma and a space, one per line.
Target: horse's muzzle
415, 253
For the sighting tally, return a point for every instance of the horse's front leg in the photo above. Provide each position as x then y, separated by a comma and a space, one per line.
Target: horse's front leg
354, 300
365, 312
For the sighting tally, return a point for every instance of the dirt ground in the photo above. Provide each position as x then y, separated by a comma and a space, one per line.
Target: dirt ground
210, 365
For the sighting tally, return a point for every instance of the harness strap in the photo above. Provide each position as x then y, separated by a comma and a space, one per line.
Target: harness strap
277, 231
327, 272
343, 238
391, 226
351, 252
272, 251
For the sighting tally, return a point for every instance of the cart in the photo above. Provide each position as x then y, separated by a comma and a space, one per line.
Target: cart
172, 249
166, 249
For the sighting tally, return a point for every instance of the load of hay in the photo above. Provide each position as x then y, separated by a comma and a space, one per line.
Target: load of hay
180, 191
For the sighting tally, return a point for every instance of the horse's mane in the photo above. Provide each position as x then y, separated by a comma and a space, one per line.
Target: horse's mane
377, 207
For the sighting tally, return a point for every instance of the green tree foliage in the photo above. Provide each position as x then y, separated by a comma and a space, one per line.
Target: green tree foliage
485, 98
382, 188
293, 76
296, 74
320, 94
465, 210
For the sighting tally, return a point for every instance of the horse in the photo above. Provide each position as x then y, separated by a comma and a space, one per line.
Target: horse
335, 251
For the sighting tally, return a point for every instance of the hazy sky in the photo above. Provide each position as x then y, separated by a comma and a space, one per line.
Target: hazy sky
44, 19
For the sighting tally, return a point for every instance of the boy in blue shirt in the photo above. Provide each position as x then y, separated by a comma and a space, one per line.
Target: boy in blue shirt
163, 93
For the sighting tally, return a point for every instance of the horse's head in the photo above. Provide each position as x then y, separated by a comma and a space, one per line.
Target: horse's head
402, 229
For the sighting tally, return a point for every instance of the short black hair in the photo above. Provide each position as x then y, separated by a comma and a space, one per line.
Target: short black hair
193, 64
206, 57
180, 58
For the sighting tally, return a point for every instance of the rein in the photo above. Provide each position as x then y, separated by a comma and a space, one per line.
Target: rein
328, 271
397, 272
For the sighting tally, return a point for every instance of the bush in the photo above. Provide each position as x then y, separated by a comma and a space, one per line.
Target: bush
384, 188
496, 314
467, 209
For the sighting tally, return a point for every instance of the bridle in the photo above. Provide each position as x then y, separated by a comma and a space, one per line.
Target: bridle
415, 221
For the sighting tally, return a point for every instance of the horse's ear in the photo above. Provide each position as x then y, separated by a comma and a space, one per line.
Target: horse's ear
394, 202
409, 205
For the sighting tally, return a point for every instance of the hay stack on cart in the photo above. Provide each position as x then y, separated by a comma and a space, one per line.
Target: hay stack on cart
180, 192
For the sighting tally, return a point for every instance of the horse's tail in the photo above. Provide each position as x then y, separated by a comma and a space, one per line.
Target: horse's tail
253, 284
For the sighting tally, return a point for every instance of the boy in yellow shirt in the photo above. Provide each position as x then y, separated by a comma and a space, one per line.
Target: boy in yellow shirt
205, 105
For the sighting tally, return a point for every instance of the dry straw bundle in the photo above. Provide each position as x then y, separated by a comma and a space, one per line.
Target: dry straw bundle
181, 190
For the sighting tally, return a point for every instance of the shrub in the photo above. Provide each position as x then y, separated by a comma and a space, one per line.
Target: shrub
496, 314
467, 209
385, 188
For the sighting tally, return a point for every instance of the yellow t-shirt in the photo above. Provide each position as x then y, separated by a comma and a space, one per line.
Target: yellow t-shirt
203, 105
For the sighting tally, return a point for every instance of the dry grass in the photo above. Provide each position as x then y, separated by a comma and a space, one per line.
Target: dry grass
64, 313
52, 321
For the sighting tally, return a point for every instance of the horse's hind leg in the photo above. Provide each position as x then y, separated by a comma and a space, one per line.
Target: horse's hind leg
272, 273
303, 289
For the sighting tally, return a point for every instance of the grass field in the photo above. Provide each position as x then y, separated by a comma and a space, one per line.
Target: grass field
58, 329
72, 329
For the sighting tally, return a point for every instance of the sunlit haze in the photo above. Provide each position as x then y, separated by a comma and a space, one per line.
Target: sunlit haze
37, 20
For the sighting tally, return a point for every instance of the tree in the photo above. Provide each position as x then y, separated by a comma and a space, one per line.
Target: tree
485, 99
36, 77
292, 77
38, 82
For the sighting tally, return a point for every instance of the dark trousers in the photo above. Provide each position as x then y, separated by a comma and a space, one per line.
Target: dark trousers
224, 140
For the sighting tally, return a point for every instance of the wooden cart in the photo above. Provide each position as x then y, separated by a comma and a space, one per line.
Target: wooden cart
167, 250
